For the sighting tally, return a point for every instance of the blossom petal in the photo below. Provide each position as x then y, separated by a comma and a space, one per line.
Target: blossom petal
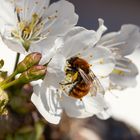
57, 64
14, 45
73, 107
95, 104
10, 42
47, 98
124, 74
101, 59
57, 20
30, 7
102, 28
7, 14
47, 104
105, 82
76, 41
48, 48
104, 114
79, 39
125, 41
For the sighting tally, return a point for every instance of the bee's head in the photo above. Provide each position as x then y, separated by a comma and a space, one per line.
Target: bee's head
72, 60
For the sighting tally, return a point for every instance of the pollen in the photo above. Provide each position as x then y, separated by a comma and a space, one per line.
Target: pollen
101, 61
52, 17
119, 72
18, 10
102, 77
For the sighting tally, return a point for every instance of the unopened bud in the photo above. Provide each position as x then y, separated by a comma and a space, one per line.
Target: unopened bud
34, 73
29, 61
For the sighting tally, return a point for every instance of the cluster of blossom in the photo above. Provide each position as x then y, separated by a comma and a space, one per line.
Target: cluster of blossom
76, 66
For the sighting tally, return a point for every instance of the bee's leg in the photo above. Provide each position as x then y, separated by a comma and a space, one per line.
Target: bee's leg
69, 83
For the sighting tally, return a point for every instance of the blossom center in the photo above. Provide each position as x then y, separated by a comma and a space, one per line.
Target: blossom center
118, 72
35, 29
28, 31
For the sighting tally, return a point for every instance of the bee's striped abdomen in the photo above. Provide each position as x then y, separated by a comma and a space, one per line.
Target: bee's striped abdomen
79, 90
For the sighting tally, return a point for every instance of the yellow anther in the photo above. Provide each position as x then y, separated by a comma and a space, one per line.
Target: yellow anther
21, 25
101, 61
18, 10
119, 72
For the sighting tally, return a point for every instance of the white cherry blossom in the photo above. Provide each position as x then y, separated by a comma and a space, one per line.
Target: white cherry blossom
122, 44
51, 99
33, 25
124, 74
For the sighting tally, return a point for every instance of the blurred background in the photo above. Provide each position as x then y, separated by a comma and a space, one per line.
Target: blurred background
125, 121
114, 12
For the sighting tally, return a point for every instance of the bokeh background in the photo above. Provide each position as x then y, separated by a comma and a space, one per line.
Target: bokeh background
114, 12
125, 104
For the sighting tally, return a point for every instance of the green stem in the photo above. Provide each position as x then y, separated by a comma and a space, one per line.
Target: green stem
5, 86
8, 78
17, 60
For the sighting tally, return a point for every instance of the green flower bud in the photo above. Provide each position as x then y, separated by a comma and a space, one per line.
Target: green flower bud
29, 61
34, 73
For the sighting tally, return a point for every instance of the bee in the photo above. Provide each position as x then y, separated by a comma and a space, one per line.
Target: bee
83, 79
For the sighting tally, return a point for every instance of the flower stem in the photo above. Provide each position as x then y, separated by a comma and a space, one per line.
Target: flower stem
8, 78
5, 86
17, 60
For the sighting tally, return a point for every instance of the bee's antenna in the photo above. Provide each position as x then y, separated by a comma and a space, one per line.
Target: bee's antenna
47, 63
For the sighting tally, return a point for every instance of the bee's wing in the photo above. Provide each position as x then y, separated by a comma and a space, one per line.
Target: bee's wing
87, 79
93, 81
97, 86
